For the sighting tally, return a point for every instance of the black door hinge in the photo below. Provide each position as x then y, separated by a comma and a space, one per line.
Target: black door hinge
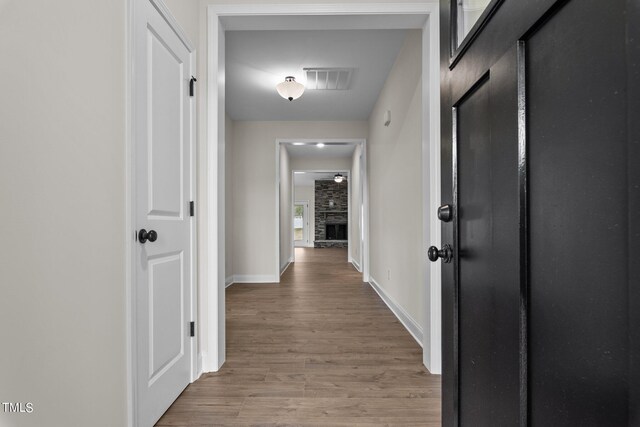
191, 85
192, 208
192, 329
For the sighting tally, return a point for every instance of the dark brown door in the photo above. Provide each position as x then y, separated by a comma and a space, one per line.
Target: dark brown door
541, 160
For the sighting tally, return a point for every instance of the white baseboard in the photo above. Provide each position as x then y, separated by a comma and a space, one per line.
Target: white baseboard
254, 278
356, 265
228, 281
199, 366
409, 323
286, 265
204, 363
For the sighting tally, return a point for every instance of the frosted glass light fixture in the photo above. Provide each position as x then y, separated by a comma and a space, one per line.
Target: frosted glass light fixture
290, 89
338, 178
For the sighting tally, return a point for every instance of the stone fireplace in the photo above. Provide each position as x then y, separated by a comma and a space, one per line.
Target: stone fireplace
331, 214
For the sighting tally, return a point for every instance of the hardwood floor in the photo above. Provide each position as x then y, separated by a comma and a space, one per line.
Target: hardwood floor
320, 348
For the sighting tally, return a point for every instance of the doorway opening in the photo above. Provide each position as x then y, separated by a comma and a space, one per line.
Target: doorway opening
224, 18
337, 214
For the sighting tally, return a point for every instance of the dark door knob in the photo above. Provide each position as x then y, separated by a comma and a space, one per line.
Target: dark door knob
144, 235
446, 254
445, 213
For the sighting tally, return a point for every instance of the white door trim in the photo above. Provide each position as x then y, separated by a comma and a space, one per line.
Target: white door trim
130, 201
130, 355
213, 333
431, 233
173, 23
279, 141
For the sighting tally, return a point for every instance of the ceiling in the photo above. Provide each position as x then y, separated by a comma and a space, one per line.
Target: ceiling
308, 178
256, 61
329, 151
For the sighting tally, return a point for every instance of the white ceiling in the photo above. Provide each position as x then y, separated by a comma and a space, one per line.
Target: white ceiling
329, 151
309, 178
258, 60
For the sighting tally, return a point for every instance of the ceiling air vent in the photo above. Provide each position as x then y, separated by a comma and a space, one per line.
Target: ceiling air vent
328, 78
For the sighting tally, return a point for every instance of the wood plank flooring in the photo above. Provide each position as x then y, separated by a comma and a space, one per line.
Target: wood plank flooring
320, 348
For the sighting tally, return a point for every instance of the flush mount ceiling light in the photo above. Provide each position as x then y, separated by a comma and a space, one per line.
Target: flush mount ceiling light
290, 89
338, 178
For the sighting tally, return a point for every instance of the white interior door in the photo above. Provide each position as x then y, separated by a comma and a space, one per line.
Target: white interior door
162, 192
301, 223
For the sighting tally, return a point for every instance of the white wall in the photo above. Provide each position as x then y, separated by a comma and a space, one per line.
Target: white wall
320, 163
286, 209
253, 172
62, 192
395, 187
308, 193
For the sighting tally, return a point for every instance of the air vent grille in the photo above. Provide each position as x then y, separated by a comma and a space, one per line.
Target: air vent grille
328, 78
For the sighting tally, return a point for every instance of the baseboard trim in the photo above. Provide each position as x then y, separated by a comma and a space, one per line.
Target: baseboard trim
286, 265
254, 278
228, 281
199, 369
356, 265
407, 321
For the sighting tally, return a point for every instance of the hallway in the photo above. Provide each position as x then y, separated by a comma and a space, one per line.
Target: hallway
321, 348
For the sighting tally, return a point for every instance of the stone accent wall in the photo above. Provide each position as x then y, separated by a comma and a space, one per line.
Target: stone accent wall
324, 214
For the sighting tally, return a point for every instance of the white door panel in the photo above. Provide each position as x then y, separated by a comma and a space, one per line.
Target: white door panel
166, 313
165, 120
162, 172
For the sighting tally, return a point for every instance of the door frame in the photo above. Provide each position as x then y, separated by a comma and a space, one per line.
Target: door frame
212, 169
365, 202
305, 217
130, 200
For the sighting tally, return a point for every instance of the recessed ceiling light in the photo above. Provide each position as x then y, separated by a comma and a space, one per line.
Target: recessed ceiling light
319, 145
299, 172
298, 143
